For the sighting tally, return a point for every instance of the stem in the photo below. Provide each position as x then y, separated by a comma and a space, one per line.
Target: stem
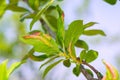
99, 75
45, 26
25, 0
86, 74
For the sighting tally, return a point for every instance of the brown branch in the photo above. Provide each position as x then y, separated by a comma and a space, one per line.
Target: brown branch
86, 74
47, 28
99, 75
25, 0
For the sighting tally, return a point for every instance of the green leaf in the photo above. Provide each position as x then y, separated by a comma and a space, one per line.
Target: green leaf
60, 27
48, 61
83, 55
13, 67
3, 70
31, 3
89, 72
81, 44
89, 24
3, 6
34, 4
91, 56
112, 2
38, 15
52, 22
94, 32
72, 35
26, 16
34, 57
50, 67
74, 31
76, 70
59, 0
67, 63
38, 58
16, 8
42, 43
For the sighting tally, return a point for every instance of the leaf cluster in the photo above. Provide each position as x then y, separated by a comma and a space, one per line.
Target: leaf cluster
54, 43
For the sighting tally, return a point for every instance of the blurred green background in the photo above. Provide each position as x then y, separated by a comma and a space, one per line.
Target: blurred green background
108, 47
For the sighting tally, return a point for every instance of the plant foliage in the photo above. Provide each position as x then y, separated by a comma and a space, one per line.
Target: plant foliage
54, 43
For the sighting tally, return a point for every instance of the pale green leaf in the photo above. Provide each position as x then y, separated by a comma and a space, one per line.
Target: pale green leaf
3, 70
13, 67
38, 15
50, 67
3, 6
89, 24
94, 32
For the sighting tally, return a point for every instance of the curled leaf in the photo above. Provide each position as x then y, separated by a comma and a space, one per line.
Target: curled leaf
41, 42
111, 73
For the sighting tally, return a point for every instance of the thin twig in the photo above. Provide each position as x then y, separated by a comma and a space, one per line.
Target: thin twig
99, 75
47, 28
25, 0
86, 74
